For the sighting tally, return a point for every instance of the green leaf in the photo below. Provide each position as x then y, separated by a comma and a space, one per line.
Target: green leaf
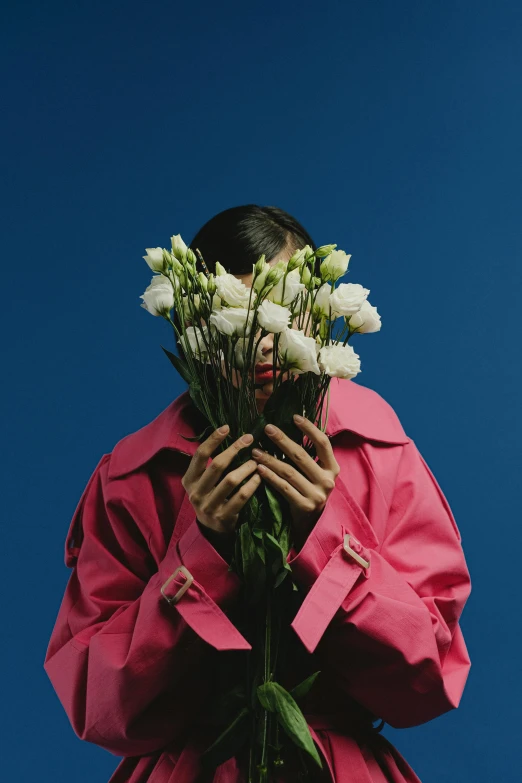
180, 366
302, 689
266, 696
205, 434
275, 508
279, 565
252, 564
252, 506
281, 576
275, 698
284, 540
229, 741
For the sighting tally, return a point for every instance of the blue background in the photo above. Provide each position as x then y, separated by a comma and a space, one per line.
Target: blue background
391, 129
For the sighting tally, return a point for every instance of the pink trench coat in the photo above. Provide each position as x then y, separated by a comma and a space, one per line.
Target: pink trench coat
132, 670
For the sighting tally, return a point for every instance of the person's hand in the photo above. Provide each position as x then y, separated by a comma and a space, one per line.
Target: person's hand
212, 499
307, 487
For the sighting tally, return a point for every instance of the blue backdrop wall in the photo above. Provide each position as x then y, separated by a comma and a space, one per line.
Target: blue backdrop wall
392, 129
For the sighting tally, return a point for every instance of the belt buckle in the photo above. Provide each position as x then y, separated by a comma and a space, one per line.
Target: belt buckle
347, 548
173, 599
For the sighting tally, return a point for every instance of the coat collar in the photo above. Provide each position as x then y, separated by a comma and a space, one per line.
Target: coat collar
353, 407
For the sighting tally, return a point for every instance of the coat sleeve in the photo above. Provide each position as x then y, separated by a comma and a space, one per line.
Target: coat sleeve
125, 662
389, 630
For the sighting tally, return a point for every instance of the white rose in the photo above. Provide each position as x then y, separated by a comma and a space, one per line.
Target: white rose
232, 290
232, 321
242, 345
273, 317
196, 342
334, 266
293, 287
154, 258
366, 320
298, 352
322, 301
179, 248
158, 298
339, 361
347, 299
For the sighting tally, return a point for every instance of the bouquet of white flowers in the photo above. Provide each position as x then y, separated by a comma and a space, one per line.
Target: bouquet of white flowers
220, 323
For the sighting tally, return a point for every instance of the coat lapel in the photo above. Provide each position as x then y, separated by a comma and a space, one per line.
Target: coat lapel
352, 407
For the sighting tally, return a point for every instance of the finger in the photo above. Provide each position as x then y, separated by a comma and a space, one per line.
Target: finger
203, 453
293, 496
229, 483
286, 472
322, 444
238, 500
297, 454
211, 474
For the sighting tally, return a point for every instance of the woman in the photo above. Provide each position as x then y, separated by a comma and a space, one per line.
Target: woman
135, 652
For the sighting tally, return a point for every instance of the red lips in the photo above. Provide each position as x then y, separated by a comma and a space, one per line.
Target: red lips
265, 372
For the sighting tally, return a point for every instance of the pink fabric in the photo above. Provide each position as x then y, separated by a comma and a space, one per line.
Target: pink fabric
132, 670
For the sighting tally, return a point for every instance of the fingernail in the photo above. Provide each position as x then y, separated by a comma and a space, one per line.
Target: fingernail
298, 418
247, 438
270, 429
256, 453
223, 429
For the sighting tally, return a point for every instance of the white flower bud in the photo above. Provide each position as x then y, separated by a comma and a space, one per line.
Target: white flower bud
322, 301
154, 258
273, 276
334, 266
260, 279
179, 248
305, 275
260, 265
324, 250
324, 330
177, 267
287, 288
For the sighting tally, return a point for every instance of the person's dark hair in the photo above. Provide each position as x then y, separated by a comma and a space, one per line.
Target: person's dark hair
237, 236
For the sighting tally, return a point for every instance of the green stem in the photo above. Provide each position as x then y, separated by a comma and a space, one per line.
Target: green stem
267, 676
